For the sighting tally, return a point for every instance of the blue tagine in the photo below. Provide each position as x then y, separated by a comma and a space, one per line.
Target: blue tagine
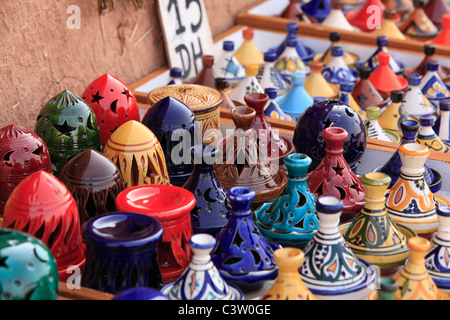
201, 280
330, 268
242, 255
306, 53
291, 220
140, 293
273, 110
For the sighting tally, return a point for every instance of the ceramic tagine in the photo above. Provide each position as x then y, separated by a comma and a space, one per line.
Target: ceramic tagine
304, 52
288, 284
394, 114
437, 258
345, 95
222, 87
174, 125
210, 214
372, 62
207, 75
272, 109
336, 18
428, 137
272, 145
242, 255
410, 200
29, 270
112, 102
175, 75
386, 290
444, 34
68, 126
330, 269
417, 25
373, 236
94, 182
429, 49
171, 206
319, 9
308, 137
269, 77
121, 252
316, 85
248, 53
297, 100
289, 61
384, 78
293, 11
414, 282
201, 280
362, 17
43, 207
392, 167
137, 153
333, 176
374, 129
250, 84
435, 9
227, 66
389, 27
240, 161
291, 219
442, 125
23, 153
432, 86
336, 70
140, 293
365, 94
350, 59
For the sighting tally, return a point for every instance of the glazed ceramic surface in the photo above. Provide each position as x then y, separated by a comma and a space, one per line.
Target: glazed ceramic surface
269, 77
432, 85
304, 52
374, 129
28, 269
410, 200
43, 207
94, 181
389, 27
345, 95
227, 66
372, 62
289, 61
68, 126
137, 153
201, 280
248, 53
176, 76
442, 125
293, 11
241, 162
171, 206
308, 137
444, 34
373, 236
336, 18
297, 99
360, 16
203, 101
291, 219
333, 176
435, 9
174, 125
211, 212
417, 25
330, 268
428, 137
384, 78
121, 252
414, 101
272, 109
222, 87
318, 9
288, 285
140, 293
316, 85
242, 255
23, 153
429, 50
249, 84
394, 114
365, 93
336, 70
207, 75
112, 102
349, 58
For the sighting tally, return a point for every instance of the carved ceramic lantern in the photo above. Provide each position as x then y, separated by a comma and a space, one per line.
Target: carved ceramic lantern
68, 126
22, 152
112, 102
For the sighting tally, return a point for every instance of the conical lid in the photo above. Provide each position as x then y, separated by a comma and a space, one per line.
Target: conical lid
316, 85
248, 53
383, 78
417, 24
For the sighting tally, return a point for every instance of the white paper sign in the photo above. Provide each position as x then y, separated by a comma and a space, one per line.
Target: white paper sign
187, 34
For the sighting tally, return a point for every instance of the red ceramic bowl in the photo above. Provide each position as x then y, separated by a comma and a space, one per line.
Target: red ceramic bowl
172, 207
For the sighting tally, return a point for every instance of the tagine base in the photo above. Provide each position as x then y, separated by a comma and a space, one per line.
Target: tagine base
237, 293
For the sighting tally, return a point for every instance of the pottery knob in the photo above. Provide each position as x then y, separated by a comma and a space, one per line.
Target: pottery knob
414, 79
329, 210
387, 289
176, 72
382, 41
208, 61
418, 247
251, 70
429, 49
373, 112
243, 117
335, 36
337, 4
221, 83
427, 120
346, 87
297, 164
444, 105
334, 137
432, 65
298, 78
271, 92
316, 66
241, 199
443, 213
228, 46
389, 14
292, 27
384, 57
364, 72
288, 259
256, 101
409, 129
202, 245
337, 51
413, 156
396, 96
270, 56
247, 34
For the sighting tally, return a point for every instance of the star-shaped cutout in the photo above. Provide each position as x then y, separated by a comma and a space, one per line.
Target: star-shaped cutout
238, 239
96, 97
327, 123
64, 129
3, 262
338, 170
356, 187
126, 92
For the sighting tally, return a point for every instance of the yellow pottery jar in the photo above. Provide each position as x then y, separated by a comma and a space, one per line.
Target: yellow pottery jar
136, 151
288, 285
414, 282
202, 100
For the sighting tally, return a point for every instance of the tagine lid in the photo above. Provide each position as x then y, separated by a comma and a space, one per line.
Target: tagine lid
198, 98
132, 133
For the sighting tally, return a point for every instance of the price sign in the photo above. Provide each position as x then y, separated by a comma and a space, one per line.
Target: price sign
187, 34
